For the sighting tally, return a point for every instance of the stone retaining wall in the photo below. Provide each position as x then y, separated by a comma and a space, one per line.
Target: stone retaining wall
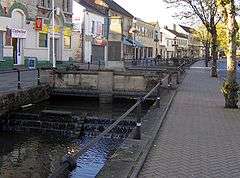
16, 99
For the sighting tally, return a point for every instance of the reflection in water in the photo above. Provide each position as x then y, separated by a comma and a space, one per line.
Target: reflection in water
36, 156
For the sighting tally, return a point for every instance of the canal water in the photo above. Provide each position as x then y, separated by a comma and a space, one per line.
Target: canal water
25, 155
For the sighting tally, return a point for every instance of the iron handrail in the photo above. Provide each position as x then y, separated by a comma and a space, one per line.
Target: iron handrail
71, 160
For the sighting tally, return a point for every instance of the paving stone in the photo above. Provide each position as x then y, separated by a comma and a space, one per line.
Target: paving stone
199, 137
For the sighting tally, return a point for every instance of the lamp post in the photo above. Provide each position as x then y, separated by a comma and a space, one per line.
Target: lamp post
175, 45
53, 34
156, 41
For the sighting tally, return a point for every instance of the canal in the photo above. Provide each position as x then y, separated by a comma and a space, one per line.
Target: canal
36, 155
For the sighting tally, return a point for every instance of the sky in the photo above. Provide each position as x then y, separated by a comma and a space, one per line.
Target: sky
150, 10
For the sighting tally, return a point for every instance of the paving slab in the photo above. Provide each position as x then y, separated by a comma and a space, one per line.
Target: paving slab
199, 138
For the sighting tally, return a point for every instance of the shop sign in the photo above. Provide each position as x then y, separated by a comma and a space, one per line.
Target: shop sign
18, 33
45, 28
100, 42
38, 24
57, 29
67, 31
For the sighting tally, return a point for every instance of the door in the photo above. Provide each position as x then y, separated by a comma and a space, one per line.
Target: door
14, 44
1, 45
97, 54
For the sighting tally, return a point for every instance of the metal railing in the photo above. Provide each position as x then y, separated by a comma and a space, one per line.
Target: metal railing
69, 162
19, 78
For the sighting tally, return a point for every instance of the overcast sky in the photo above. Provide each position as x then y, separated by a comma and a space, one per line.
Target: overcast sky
149, 10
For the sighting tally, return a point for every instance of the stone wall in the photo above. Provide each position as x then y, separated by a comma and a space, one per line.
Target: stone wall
14, 100
103, 81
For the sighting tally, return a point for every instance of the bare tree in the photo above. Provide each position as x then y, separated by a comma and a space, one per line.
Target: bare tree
230, 87
207, 12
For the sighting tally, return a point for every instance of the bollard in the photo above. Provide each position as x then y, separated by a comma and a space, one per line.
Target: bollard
158, 102
139, 121
88, 65
19, 80
38, 77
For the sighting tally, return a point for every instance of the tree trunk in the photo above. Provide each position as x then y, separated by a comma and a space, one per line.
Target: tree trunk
207, 54
214, 50
231, 96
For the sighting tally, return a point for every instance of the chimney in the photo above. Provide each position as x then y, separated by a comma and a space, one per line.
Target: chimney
174, 27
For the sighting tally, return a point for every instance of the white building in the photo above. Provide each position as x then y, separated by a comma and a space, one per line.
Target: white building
91, 22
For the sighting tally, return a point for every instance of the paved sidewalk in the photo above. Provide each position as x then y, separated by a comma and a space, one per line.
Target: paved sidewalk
199, 137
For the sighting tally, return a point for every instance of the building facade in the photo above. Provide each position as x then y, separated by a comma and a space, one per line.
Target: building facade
146, 36
27, 33
120, 45
93, 25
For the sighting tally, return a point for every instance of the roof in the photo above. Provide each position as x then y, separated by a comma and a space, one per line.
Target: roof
116, 7
92, 7
181, 35
187, 29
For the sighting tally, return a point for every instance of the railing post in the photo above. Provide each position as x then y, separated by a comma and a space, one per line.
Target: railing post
139, 121
177, 78
158, 102
99, 65
19, 79
88, 65
170, 80
38, 77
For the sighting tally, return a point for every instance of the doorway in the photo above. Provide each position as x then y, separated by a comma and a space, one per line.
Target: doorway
16, 43
56, 49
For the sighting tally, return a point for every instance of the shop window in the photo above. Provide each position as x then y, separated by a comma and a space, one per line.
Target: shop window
67, 42
43, 40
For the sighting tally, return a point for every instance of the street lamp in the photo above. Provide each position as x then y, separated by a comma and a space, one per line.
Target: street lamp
175, 45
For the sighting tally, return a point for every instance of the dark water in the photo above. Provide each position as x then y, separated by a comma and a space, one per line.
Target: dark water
36, 156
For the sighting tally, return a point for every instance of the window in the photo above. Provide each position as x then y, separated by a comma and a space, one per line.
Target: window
49, 3
68, 5
67, 42
93, 27
43, 40
42, 3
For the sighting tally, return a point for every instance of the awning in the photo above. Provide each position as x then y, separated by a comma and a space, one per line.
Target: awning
131, 42
127, 42
138, 44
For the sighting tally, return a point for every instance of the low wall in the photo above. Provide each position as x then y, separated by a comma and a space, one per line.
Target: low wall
14, 100
105, 81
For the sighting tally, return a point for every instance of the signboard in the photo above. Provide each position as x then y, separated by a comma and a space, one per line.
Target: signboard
100, 42
38, 24
18, 33
45, 29
116, 25
67, 31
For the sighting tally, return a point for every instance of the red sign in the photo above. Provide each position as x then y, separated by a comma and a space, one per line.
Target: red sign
38, 24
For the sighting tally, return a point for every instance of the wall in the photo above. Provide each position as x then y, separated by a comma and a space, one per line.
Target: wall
104, 81
14, 100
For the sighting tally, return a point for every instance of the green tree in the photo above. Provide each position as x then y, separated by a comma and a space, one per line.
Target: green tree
204, 37
230, 87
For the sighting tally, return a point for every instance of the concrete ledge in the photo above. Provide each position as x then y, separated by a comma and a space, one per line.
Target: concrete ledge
128, 160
